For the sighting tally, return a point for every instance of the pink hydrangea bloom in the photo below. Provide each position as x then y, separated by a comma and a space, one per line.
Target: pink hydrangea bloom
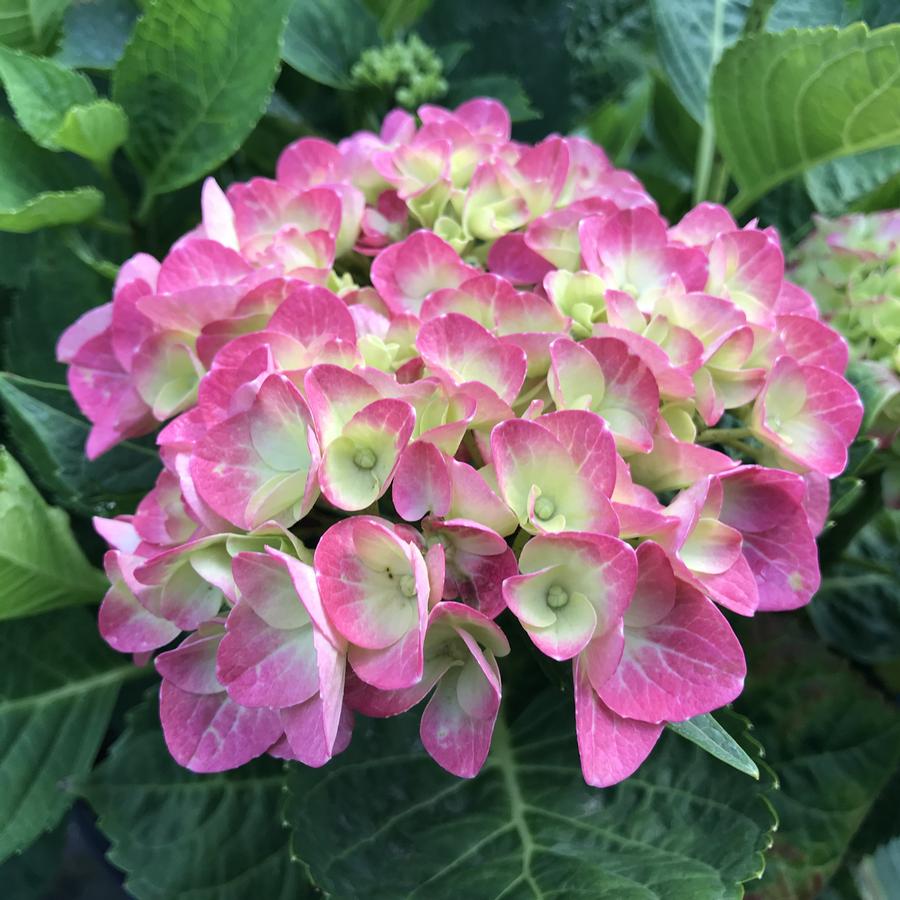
544, 407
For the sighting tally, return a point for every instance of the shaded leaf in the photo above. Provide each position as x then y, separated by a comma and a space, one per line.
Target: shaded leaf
783, 103
507, 90
95, 33
194, 79
36, 188
384, 821
323, 40
691, 35
49, 435
857, 609
832, 741
838, 185
709, 735
30, 24
58, 684
177, 834
41, 565
29, 875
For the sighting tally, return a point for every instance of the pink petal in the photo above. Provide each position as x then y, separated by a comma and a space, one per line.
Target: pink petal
422, 482
611, 747
124, 623
687, 663
210, 732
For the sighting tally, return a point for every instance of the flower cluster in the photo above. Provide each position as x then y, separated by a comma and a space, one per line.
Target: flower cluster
433, 376
851, 266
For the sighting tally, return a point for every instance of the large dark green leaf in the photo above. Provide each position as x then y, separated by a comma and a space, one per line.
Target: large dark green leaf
857, 609
49, 435
691, 35
783, 103
832, 741
29, 875
41, 566
384, 822
55, 290
324, 40
58, 684
194, 80
524, 39
176, 834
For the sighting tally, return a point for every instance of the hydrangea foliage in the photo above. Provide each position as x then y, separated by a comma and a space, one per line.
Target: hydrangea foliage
430, 384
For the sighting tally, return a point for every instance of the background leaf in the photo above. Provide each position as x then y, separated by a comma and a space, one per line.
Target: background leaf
30, 24
95, 33
837, 185
691, 35
323, 40
832, 741
177, 834
58, 684
194, 80
30, 179
41, 566
783, 103
49, 434
857, 608
384, 821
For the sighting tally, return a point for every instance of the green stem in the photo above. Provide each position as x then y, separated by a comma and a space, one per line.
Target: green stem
719, 183
707, 148
835, 541
45, 385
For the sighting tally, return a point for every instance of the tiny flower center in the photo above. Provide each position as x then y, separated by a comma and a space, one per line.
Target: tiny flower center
408, 586
365, 459
557, 596
544, 508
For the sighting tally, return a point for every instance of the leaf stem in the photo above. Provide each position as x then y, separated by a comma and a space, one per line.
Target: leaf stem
707, 147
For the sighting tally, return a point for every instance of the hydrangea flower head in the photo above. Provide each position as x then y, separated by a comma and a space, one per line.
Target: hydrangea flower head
430, 385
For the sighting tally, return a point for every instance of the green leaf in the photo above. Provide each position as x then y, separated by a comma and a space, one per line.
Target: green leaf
710, 736
40, 91
691, 35
58, 684
176, 834
95, 130
30, 24
194, 80
384, 821
395, 15
55, 290
857, 609
49, 435
30, 179
95, 33
618, 126
41, 566
323, 40
30, 875
783, 103
838, 185
832, 741
506, 89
